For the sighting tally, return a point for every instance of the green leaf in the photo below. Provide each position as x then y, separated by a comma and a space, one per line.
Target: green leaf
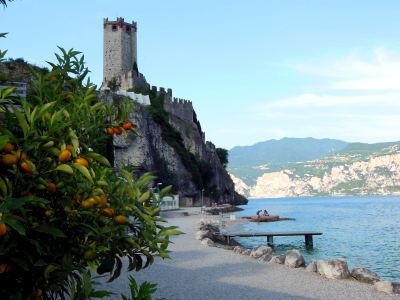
64, 168
18, 203
106, 266
84, 171
21, 120
5, 92
74, 139
16, 225
165, 191
98, 157
145, 196
4, 140
3, 187
171, 231
51, 230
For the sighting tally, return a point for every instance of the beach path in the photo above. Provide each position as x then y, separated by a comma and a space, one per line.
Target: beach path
200, 272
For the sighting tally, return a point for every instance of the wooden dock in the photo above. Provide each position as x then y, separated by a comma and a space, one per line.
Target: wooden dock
308, 236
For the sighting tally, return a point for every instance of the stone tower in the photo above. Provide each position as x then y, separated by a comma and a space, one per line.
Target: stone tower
120, 54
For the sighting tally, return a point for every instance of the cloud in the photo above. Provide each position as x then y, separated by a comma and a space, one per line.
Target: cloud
377, 71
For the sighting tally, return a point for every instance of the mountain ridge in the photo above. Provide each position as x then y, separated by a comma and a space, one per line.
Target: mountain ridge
356, 169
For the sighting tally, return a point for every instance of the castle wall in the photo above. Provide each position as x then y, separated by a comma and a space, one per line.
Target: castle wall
120, 52
180, 108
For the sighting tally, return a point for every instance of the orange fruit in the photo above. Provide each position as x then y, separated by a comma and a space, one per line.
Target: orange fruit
64, 156
21, 155
121, 219
51, 187
110, 131
4, 268
127, 125
118, 130
3, 229
9, 159
49, 213
92, 201
108, 212
8, 148
70, 148
102, 201
25, 166
82, 161
86, 204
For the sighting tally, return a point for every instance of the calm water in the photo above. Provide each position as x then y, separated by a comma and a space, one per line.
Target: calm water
363, 230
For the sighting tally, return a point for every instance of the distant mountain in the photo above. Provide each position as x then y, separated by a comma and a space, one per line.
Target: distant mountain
250, 162
354, 169
283, 151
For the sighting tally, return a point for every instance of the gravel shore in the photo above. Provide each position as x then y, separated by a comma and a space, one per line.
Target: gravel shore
200, 272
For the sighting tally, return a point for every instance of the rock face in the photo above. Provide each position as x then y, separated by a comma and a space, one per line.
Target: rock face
239, 249
257, 252
384, 286
365, 275
150, 150
201, 234
278, 259
343, 174
294, 259
333, 268
207, 242
312, 266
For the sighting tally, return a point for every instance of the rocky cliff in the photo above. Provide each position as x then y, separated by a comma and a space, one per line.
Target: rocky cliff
175, 150
346, 173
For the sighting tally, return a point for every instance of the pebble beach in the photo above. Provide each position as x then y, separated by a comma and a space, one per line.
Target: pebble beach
196, 271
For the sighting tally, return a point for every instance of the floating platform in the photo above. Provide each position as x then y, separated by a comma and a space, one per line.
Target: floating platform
308, 236
268, 218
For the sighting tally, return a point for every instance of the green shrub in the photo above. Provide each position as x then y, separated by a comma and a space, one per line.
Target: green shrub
63, 208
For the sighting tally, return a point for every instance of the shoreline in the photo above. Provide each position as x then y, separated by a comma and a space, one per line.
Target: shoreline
196, 271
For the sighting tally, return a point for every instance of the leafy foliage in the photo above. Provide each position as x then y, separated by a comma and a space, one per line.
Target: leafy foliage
223, 156
63, 207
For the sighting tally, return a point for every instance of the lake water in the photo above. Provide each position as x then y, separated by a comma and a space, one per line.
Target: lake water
363, 230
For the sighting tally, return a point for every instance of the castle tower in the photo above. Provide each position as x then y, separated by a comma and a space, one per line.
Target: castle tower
120, 53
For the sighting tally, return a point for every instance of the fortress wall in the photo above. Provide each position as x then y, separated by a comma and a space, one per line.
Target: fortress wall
180, 108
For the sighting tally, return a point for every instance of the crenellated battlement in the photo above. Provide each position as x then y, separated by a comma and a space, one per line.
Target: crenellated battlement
178, 107
119, 23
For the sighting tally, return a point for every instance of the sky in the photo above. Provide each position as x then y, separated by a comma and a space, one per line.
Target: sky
254, 70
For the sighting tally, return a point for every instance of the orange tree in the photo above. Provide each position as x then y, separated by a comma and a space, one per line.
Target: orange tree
63, 208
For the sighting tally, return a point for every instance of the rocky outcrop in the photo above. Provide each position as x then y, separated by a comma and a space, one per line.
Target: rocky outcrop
365, 275
294, 259
312, 267
333, 268
240, 186
376, 175
150, 150
257, 252
278, 259
387, 287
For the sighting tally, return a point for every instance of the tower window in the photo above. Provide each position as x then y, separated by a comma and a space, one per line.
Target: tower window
128, 29
114, 28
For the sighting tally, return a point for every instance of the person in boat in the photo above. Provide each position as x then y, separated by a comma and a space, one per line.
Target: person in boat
258, 214
266, 212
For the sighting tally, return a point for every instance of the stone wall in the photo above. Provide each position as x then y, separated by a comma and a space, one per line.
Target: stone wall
120, 53
177, 107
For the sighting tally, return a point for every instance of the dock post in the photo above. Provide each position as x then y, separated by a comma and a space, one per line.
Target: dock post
270, 240
309, 240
